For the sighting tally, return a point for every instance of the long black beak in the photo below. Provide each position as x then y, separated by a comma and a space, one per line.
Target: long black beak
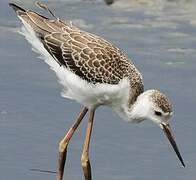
168, 132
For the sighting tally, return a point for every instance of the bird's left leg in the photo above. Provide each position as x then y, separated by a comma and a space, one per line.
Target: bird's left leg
85, 161
64, 143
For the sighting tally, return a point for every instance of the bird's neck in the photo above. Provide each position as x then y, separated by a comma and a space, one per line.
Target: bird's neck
141, 108
138, 110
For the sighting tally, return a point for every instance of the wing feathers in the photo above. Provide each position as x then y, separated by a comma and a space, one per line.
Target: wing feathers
88, 56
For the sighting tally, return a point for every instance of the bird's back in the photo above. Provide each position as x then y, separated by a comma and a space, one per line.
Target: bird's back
88, 56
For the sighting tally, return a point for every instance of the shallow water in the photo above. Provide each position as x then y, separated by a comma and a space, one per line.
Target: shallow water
159, 35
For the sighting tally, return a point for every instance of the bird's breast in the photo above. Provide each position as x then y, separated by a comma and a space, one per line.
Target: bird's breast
92, 95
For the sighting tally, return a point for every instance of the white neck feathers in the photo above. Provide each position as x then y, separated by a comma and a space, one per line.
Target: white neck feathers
138, 111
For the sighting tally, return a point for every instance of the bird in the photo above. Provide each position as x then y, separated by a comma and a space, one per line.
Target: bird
93, 72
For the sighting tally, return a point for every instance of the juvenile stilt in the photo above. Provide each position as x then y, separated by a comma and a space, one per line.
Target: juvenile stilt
94, 72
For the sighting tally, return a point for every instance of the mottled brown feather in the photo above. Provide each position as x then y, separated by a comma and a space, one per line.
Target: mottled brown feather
161, 101
87, 55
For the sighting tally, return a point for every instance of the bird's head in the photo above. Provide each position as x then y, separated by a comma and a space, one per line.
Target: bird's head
155, 106
158, 108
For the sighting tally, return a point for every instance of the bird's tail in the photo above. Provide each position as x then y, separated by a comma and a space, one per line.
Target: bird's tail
20, 10
17, 8
35, 27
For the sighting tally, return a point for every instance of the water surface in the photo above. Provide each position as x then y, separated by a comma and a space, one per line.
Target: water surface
160, 37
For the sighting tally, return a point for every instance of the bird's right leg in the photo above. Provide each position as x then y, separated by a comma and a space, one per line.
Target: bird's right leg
64, 143
85, 153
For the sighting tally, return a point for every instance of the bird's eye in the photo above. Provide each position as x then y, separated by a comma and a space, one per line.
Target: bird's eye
158, 113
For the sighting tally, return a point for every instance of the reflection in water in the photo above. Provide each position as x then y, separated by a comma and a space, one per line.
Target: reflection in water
109, 2
43, 171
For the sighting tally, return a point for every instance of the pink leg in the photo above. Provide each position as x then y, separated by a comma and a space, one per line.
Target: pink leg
64, 143
85, 161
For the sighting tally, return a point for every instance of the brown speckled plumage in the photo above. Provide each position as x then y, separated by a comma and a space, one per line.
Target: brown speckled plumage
161, 101
87, 55
94, 72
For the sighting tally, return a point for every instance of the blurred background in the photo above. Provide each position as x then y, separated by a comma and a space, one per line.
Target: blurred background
158, 35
